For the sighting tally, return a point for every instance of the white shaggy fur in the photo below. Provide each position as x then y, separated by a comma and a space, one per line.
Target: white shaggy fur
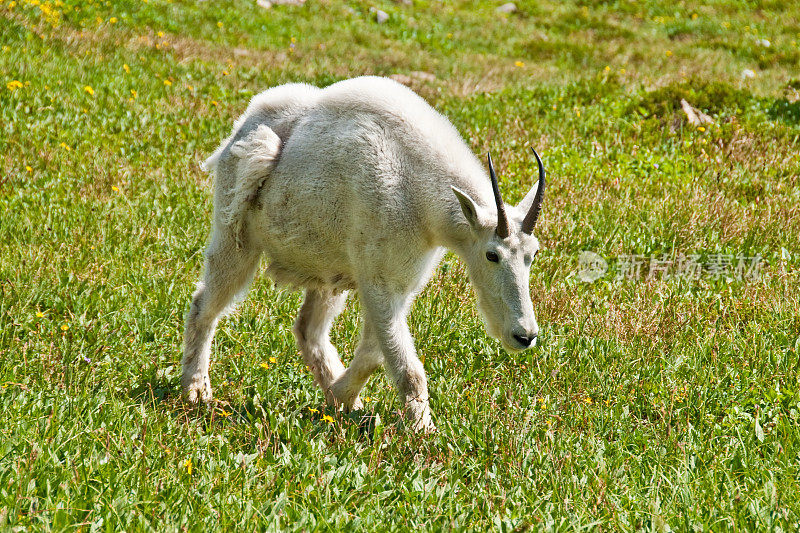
258, 154
361, 185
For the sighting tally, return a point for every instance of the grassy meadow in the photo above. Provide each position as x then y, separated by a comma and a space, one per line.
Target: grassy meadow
654, 402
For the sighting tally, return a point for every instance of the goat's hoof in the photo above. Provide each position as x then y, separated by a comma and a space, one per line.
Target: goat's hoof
358, 405
338, 397
198, 390
418, 417
425, 427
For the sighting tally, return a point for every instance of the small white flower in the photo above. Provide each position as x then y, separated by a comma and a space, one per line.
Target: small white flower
748, 74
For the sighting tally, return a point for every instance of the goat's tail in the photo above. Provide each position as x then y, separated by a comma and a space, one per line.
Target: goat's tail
257, 154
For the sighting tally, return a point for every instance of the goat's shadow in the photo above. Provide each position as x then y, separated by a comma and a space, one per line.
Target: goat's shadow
155, 391
366, 423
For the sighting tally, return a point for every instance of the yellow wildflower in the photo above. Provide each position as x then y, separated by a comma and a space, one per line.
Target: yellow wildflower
669, 53
694, 16
88, 89
578, 112
607, 69
64, 146
519, 63
273, 360
126, 68
214, 103
224, 413
367, 399
160, 34
39, 314
115, 188
313, 410
113, 20
701, 129
587, 401
64, 327
28, 168
328, 419
134, 94
265, 366
14, 85
167, 83
219, 24
188, 464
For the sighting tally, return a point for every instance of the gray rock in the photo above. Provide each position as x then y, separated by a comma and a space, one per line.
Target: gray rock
509, 7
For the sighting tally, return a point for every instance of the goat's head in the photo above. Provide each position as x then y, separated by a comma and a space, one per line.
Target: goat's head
499, 256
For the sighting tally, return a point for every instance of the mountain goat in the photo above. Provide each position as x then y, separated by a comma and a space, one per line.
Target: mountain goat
359, 186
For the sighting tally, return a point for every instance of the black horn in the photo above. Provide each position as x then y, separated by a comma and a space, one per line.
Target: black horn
533, 213
502, 219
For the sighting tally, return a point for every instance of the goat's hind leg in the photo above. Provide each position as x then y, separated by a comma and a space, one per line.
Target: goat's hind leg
228, 271
312, 331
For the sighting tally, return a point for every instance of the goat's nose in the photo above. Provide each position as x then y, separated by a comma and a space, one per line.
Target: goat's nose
524, 340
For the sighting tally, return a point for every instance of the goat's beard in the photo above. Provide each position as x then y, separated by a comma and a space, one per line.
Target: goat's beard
492, 329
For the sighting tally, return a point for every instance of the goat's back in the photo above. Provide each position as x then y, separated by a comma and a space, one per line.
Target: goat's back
365, 167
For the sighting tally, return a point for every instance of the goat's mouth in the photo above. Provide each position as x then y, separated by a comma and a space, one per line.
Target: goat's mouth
513, 346
518, 343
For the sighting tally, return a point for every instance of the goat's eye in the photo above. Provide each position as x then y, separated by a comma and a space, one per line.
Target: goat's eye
491, 256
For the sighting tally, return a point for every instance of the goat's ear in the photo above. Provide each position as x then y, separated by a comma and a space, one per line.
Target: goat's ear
468, 207
525, 205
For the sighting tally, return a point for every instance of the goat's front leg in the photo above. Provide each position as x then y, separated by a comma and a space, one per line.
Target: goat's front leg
387, 312
366, 360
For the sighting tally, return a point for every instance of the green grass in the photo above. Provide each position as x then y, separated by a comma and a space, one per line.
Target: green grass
651, 403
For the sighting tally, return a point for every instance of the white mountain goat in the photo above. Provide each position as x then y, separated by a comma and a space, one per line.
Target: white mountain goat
361, 185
